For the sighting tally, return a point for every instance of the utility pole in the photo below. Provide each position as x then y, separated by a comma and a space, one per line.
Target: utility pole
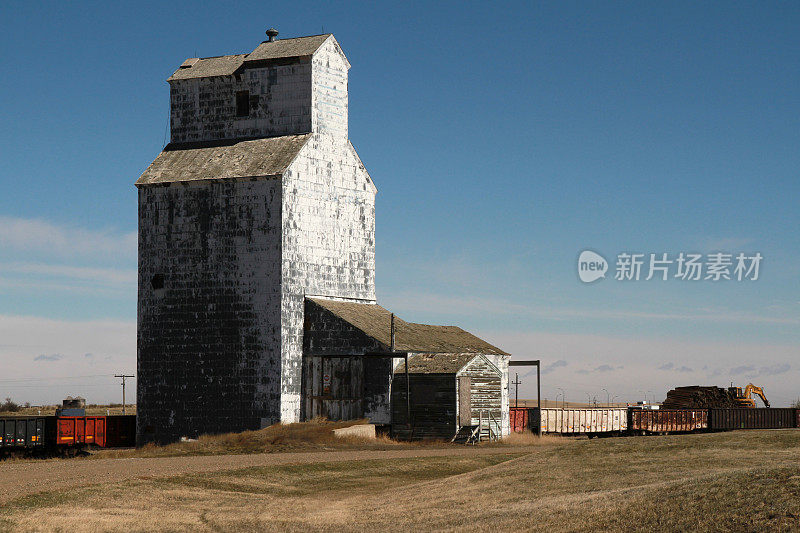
516, 384
123, 376
608, 398
538, 366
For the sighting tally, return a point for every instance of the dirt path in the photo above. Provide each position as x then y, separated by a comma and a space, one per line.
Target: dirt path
21, 478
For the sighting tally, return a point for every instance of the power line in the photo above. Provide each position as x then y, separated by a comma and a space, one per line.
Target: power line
123, 376
25, 380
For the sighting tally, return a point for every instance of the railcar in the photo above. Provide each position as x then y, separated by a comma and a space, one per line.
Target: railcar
64, 435
638, 421
753, 418
590, 422
662, 421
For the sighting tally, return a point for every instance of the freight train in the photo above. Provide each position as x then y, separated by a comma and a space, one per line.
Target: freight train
64, 435
637, 421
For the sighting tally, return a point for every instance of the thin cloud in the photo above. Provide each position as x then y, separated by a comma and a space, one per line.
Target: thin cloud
674, 367
106, 276
37, 256
744, 369
448, 305
552, 366
774, 370
601, 368
51, 357
42, 237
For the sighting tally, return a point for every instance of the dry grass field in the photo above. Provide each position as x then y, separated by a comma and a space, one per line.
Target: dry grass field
738, 481
315, 435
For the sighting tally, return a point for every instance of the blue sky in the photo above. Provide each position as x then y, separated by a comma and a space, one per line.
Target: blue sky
504, 139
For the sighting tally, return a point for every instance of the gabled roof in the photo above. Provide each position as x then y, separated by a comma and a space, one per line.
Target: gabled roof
437, 363
283, 48
208, 66
223, 159
375, 322
266, 51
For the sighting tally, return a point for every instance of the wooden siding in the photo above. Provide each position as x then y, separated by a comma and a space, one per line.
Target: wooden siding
433, 406
377, 385
486, 394
325, 334
333, 387
464, 401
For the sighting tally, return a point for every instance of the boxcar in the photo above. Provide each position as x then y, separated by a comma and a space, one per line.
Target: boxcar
750, 418
645, 421
24, 431
80, 430
120, 431
520, 418
581, 421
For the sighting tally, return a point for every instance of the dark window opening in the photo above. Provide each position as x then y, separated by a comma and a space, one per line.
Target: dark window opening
157, 282
242, 103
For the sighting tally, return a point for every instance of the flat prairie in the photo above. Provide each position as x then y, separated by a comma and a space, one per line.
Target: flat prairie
736, 481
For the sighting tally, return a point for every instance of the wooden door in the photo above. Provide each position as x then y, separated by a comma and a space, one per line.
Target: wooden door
464, 400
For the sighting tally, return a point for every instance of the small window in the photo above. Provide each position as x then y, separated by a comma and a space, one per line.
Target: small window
242, 103
157, 282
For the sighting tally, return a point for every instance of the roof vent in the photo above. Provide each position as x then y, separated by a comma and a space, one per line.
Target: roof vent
189, 63
271, 34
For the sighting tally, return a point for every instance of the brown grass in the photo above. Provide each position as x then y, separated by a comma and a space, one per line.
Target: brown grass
315, 435
527, 438
738, 481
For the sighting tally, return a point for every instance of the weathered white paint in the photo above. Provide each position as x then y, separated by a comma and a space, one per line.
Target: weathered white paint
308, 95
220, 346
576, 421
222, 342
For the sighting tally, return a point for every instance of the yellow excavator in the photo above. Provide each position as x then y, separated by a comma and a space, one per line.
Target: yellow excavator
745, 397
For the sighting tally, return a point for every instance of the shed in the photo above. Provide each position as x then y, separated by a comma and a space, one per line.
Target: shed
451, 394
350, 369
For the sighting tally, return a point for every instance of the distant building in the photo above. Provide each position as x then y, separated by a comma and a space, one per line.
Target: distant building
256, 223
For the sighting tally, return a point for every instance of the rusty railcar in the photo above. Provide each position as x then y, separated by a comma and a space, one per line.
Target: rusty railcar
656, 421
66, 435
752, 418
591, 422
520, 418
107, 431
80, 430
